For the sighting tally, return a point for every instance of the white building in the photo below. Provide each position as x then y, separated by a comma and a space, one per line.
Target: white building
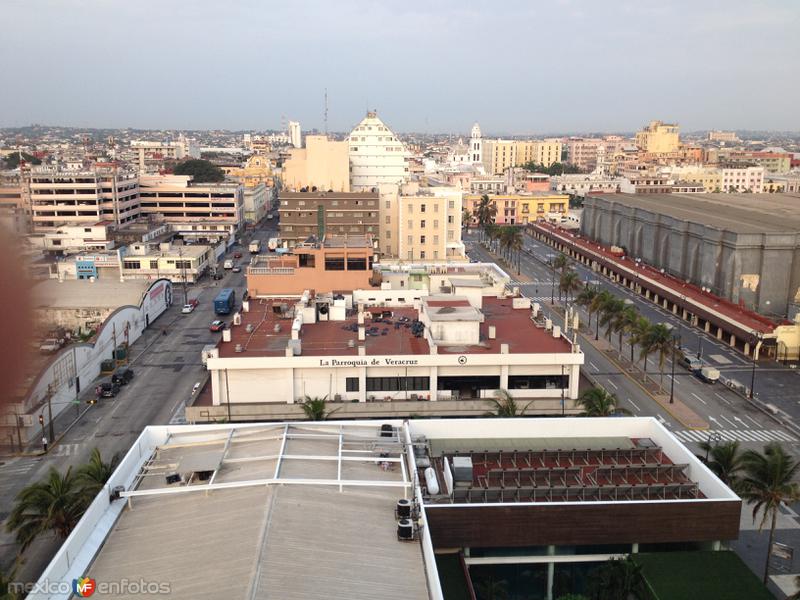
295, 134
151, 155
75, 238
742, 179
476, 145
376, 155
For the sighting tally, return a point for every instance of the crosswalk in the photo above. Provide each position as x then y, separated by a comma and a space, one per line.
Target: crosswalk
67, 449
735, 435
18, 467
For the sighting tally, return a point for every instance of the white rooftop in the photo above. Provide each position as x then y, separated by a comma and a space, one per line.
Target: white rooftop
86, 294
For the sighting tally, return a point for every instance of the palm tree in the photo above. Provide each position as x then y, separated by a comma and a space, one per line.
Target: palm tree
726, 461
660, 341
514, 242
585, 299
504, 405
569, 283
6, 578
93, 475
466, 218
598, 303
316, 408
598, 402
641, 338
610, 312
492, 233
617, 579
485, 212
559, 263
625, 322
769, 482
54, 504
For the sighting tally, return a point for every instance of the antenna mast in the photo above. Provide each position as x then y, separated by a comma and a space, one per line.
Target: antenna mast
326, 112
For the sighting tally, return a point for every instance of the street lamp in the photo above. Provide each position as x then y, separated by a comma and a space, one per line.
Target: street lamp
712, 437
676, 342
756, 342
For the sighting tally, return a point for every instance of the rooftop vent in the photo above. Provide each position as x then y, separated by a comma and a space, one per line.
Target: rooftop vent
249, 328
238, 348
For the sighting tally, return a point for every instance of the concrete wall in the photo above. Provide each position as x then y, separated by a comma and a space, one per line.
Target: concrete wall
760, 270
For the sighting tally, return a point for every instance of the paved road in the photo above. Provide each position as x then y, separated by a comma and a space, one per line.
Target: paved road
166, 368
728, 414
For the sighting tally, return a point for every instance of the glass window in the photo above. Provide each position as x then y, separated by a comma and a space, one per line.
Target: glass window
351, 384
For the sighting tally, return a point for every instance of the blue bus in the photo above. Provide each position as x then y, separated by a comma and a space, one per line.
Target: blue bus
223, 303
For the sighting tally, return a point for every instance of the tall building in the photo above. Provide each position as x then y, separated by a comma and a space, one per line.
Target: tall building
421, 224
499, 155
151, 155
104, 193
376, 155
305, 214
323, 163
295, 135
14, 206
475, 145
659, 137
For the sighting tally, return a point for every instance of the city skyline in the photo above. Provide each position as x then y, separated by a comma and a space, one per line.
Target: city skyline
567, 66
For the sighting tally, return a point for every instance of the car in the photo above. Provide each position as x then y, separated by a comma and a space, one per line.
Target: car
236, 269
123, 376
217, 325
51, 345
237, 255
187, 308
107, 389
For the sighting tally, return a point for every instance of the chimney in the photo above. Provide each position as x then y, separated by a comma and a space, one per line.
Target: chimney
226, 335
362, 334
492, 332
246, 306
503, 348
556, 331
362, 351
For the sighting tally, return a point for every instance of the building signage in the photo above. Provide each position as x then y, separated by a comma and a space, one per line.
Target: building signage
368, 362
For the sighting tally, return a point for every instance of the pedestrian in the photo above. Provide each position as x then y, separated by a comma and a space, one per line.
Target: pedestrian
44, 444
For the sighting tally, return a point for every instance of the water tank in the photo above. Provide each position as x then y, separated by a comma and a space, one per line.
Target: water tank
403, 508
405, 529
431, 482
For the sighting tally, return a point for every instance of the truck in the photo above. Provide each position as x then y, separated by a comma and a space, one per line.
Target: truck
709, 374
274, 243
51, 345
255, 247
223, 303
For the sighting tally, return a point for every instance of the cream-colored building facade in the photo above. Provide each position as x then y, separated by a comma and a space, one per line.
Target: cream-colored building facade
420, 223
323, 163
499, 155
659, 137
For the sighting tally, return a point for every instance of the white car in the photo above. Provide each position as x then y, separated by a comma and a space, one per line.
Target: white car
187, 308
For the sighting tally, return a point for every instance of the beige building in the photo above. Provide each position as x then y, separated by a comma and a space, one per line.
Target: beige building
659, 137
499, 155
323, 163
420, 223
14, 207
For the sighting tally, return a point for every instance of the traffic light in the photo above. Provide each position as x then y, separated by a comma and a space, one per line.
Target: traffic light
41, 419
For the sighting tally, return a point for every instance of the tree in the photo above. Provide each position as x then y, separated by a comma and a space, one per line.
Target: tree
726, 461
661, 342
767, 483
53, 504
504, 405
316, 408
201, 171
617, 579
625, 323
641, 338
559, 263
598, 304
466, 218
569, 283
93, 475
485, 212
598, 402
585, 299
610, 312
12, 160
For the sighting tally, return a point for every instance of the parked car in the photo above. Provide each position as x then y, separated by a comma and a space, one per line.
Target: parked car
107, 389
187, 308
217, 325
709, 374
123, 376
51, 345
236, 269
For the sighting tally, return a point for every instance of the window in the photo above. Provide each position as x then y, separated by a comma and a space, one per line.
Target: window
388, 234
422, 254
435, 254
436, 224
449, 235
351, 384
411, 224
421, 208
435, 208
154, 264
422, 239
436, 239
449, 219
388, 204
334, 263
451, 204
410, 241
388, 219
411, 208
422, 224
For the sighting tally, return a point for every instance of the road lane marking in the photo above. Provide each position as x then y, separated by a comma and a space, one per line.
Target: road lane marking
612, 384
699, 398
728, 420
753, 420
634, 405
594, 366
723, 398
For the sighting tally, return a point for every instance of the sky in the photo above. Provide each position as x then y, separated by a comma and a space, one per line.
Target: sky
514, 66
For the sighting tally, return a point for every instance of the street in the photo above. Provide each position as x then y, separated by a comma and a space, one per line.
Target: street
166, 368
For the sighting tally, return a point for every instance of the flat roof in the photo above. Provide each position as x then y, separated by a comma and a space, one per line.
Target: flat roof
328, 195
302, 538
740, 213
385, 337
80, 294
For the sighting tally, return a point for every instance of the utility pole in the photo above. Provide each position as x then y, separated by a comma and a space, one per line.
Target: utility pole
183, 275
672, 385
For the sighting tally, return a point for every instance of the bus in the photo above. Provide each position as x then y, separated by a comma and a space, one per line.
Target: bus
255, 246
223, 303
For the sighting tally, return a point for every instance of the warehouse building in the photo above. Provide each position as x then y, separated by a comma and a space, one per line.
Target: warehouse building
744, 248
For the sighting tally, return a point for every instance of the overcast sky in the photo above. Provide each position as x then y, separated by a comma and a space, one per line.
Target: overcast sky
439, 65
